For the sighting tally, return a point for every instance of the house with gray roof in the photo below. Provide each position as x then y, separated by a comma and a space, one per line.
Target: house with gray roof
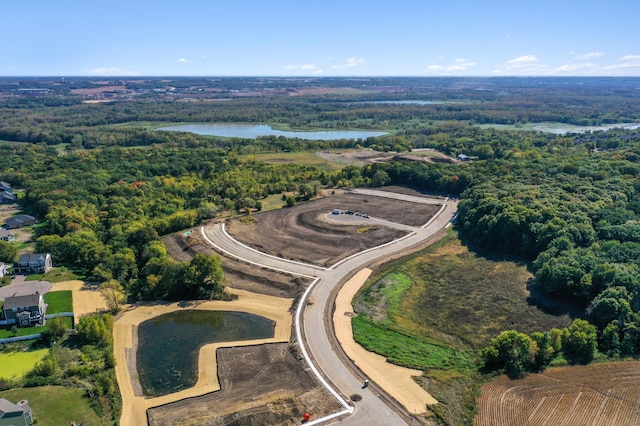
25, 311
15, 414
37, 263
20, 220
7, 198
3, 269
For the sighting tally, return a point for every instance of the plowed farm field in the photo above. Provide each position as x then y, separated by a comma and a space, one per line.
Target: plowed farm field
595, 395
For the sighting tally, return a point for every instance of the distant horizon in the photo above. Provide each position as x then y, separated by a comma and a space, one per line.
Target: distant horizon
334, 38
341, 77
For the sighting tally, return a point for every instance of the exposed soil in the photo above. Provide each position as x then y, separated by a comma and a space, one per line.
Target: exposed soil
260, 385
299, 233
239, 275
598, 394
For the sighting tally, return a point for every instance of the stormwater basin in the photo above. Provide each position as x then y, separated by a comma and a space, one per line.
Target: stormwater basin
169, 344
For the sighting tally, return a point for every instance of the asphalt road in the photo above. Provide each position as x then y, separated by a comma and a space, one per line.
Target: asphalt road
20, 287
317, 310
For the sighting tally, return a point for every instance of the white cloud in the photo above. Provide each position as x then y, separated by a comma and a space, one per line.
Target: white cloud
305, 67
576, 67
524, 65
459, 64
183, 61
110, 71
590, 55
521, 61
632, 58
350, 63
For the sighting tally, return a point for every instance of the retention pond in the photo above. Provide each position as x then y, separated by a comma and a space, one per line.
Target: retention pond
168, 345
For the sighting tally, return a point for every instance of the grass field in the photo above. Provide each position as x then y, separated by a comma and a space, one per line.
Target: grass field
59, 301
55, 405
436, 308
304, 158
15, 365
60, 273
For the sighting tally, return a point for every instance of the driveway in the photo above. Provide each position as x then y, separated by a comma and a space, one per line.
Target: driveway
20, 287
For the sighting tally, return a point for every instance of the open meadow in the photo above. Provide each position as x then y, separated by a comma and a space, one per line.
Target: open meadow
55, 405
435, 309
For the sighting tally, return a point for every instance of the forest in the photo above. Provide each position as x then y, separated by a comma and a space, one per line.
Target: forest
107, 185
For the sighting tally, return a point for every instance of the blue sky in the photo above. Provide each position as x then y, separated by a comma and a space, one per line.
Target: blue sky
323, 38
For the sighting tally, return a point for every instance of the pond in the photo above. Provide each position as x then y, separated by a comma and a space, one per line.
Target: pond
169, 345
561, 128
252, 131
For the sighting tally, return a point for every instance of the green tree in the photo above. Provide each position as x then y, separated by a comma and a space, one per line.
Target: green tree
8, 252
95, 330
290, 201
610, 339
510, 351
56, 328
579, 342
113, 294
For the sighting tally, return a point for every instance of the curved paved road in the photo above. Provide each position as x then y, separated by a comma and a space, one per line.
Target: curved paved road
370, 410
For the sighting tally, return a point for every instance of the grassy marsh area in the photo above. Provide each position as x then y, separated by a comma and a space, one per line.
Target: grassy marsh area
14, 365
434, 310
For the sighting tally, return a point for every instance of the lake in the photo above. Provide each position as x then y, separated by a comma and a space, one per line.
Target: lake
252, 131
561, 128
169, 345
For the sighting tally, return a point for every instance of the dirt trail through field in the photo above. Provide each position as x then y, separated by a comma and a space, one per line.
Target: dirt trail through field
86, 300
395, 380
125, 329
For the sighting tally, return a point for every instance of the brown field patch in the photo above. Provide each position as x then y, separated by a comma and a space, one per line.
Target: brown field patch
300, 233
599, 394
239, 275
262, 384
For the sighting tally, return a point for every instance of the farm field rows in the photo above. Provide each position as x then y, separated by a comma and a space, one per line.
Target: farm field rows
598, 395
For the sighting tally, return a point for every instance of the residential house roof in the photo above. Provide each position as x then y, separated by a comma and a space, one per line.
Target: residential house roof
7, 196
4, 186
8, 407
32, 258
4, 233
21, 301
20, 219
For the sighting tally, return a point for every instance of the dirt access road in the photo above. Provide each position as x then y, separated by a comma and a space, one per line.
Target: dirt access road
316, 324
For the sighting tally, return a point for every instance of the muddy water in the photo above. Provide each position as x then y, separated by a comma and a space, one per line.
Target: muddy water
168, 345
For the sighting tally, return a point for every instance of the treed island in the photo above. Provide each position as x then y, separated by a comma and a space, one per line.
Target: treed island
539, 272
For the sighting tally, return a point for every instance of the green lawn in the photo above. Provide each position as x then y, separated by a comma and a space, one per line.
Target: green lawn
59, 301
304, 158
60, 273
408, 351
55, 405
15, 365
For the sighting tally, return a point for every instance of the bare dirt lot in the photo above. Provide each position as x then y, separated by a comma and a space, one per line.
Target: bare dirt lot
239, 275
598, 394
287, 392
300, 233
